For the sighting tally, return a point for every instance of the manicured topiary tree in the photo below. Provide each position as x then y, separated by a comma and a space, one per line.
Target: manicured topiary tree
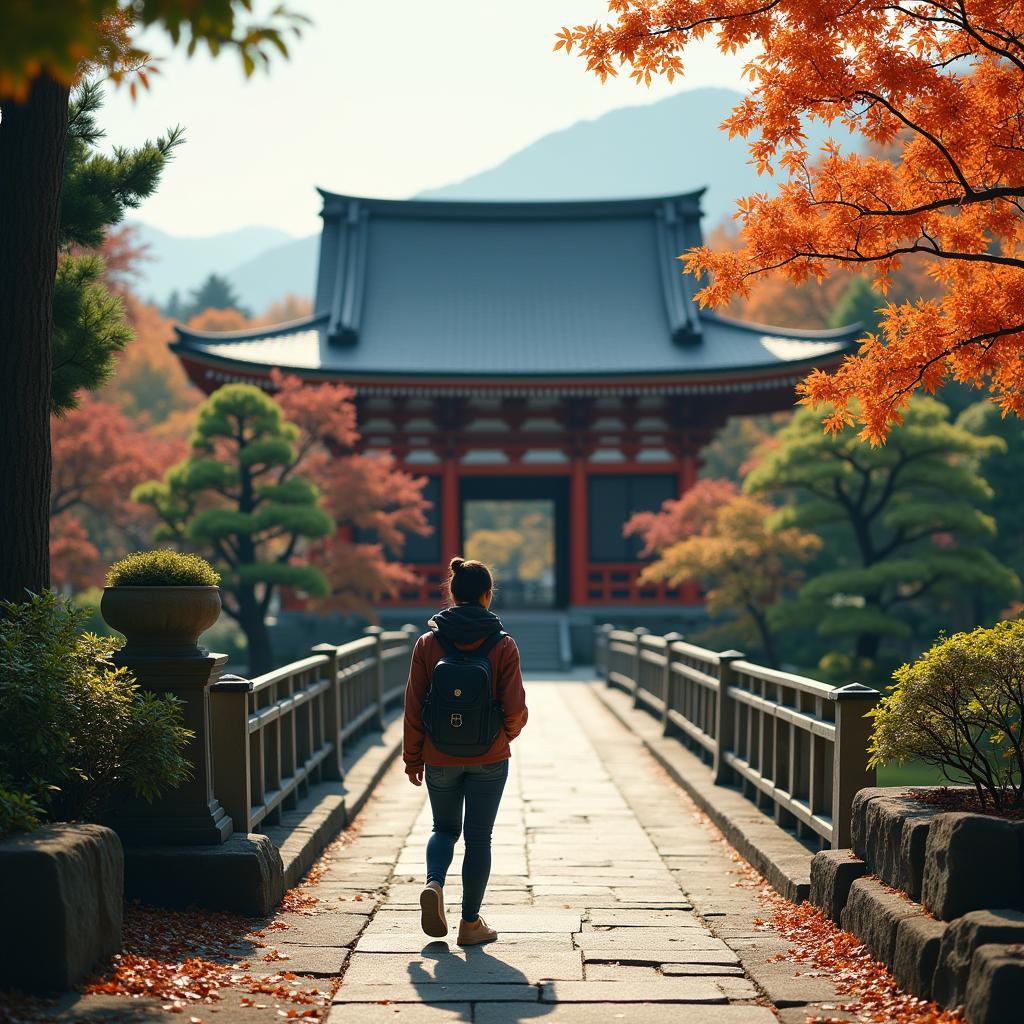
959, 707
239, 498
165, 568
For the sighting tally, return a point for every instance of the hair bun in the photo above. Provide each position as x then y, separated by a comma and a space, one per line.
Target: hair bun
456, 563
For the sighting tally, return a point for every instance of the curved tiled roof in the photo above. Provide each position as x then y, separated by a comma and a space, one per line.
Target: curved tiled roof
457, 289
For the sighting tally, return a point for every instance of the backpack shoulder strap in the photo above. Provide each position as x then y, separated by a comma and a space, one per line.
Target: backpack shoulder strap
491, 642
446, 645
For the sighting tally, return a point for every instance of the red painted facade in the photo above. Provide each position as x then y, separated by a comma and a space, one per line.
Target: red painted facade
535, 430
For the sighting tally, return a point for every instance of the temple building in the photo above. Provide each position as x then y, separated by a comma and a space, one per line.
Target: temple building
544, 364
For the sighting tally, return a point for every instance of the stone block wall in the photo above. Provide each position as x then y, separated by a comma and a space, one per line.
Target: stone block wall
61, 893
936, 896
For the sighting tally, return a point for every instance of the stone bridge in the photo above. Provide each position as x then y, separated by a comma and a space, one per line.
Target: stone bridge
654, 842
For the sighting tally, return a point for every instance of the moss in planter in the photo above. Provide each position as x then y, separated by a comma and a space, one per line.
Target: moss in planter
163, 568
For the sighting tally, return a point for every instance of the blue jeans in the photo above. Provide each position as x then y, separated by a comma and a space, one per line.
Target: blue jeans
479, 786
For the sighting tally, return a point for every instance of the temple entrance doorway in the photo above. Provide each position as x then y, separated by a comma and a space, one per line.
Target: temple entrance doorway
520, 528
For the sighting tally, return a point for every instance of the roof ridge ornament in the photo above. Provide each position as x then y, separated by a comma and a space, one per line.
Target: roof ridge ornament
347, 300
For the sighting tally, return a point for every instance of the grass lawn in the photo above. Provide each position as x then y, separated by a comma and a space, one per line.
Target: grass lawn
913, 773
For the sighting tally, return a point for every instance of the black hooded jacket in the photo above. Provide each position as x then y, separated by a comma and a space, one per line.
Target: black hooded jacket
465, 623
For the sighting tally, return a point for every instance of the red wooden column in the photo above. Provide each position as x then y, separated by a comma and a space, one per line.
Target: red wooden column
451, 528
687, 476
687, 471
579, 555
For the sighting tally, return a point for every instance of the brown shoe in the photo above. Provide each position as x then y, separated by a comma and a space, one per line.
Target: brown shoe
475, 933
432, 918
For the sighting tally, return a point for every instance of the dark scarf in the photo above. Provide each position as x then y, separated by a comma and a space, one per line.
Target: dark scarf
465, 623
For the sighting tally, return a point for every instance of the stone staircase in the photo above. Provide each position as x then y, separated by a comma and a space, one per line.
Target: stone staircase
542, 637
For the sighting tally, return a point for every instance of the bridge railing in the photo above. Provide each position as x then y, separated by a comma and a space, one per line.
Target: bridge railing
274, 736
796, 747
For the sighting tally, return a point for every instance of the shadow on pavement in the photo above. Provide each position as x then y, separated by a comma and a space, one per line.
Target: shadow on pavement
475, 965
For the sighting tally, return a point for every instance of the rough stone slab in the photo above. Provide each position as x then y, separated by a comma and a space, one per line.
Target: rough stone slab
892, 829
995, 985
684, 970
61, 892
668, 990
244, 874
75, 1008
724, 956
344, 900
317, 929
641, 939
962, 938
643, 919
916, 953
783, 861
872, 913
416, 941
510, 966
316, 961
435, 1013
410, 992
536, 922
787, 989
629, 1013
972, 862
832, 874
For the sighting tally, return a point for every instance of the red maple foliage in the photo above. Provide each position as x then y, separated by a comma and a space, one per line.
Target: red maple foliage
367, 495
678, 518
934, 88
99, 455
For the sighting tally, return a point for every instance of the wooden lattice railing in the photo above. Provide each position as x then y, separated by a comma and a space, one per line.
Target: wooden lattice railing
273, 737
795, 746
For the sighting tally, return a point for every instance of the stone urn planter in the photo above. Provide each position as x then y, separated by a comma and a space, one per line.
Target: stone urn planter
162, 601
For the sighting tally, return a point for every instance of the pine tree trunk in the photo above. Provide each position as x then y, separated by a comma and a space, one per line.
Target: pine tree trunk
32, 139
261, 655
253, 624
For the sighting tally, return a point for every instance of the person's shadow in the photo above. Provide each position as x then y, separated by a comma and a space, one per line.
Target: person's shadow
478, 966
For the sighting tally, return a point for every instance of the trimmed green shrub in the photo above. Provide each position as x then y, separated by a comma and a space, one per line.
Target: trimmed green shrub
18, 812
74, 731
959, 708
164, 568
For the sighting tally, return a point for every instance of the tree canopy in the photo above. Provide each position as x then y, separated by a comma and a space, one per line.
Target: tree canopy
933, 88
902, 521
245, 496
744, 568
89, 322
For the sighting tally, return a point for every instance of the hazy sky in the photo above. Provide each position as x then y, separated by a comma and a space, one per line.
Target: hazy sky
378, 100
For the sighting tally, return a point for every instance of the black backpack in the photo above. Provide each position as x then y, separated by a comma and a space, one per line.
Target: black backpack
461, 713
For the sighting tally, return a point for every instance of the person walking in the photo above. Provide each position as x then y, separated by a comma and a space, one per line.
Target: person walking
464, 704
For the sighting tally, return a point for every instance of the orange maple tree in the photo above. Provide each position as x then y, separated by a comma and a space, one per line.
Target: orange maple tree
934, 87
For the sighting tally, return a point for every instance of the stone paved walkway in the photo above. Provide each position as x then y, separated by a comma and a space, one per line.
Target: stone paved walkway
596, 858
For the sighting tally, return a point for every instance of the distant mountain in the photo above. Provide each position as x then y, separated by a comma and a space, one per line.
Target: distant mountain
183, 263
674, 145
288, 269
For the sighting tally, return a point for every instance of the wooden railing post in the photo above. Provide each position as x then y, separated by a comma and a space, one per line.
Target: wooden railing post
724, 716
378, 671
639, 632
668, 688
850, 771
332, 765
229, 743
601, 649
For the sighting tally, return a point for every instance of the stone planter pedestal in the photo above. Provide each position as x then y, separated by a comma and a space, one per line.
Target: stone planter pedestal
61, 893
182, 849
